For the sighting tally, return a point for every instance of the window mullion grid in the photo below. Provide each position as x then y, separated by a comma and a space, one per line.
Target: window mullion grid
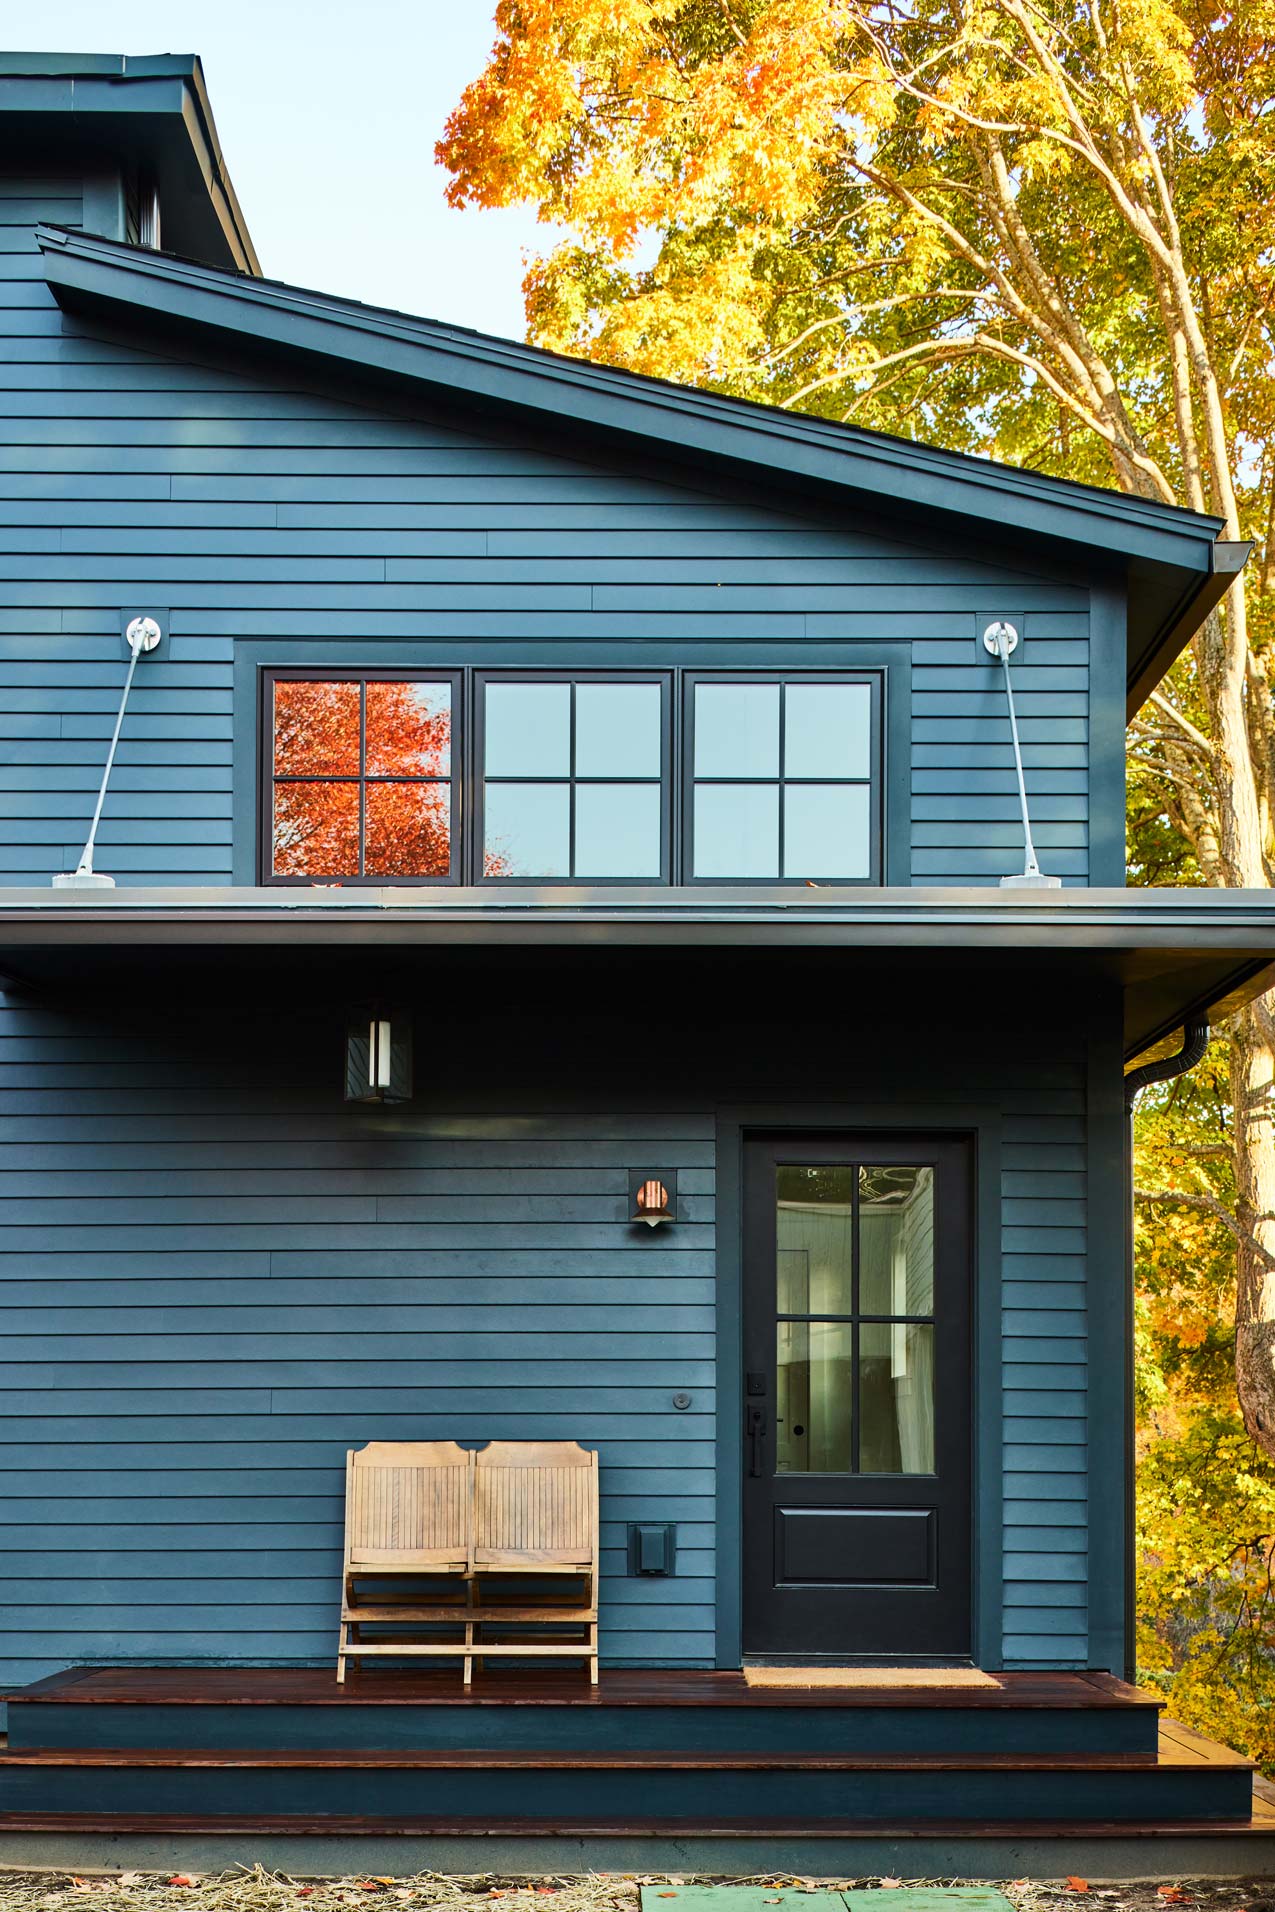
362, 776
571, 784
779, 793
854, 1329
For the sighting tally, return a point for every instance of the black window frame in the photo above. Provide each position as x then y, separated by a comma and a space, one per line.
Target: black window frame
874, 680
858, 1317
267, 781
667, 776
677, 779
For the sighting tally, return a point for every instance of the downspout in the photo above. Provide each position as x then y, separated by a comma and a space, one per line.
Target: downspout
1195, 1042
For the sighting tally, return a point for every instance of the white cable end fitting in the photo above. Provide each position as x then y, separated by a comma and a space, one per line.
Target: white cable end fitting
142, 635
1000, 639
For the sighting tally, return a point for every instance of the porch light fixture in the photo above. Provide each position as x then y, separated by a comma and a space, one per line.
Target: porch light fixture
651, 1203
1001, 640
378, 1057
142, 636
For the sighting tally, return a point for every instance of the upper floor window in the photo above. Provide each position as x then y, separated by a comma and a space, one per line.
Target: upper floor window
782, 779
574, 778
361, 779
605, 777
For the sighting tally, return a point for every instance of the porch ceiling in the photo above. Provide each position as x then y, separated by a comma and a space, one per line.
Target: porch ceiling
1172, 953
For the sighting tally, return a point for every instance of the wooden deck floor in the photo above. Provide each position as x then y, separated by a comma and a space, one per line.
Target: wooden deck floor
644, 1686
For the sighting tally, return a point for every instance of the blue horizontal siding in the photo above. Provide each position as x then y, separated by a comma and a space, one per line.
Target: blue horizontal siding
247, 508
218, 1279
218, 1284
177, 1408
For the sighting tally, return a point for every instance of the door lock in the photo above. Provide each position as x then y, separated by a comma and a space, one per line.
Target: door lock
756, 1427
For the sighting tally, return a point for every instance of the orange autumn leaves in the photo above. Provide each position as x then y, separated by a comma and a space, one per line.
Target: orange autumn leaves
712, 126
361, 779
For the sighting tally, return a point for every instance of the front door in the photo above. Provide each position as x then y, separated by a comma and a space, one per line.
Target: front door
857, 1275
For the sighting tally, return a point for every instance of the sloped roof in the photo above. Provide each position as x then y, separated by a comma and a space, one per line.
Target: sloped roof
1176, 565
150, 110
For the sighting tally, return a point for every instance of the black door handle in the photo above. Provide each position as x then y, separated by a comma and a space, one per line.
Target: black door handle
756, 1425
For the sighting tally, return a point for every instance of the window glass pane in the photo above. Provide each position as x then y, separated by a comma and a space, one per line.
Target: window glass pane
618, 730
528, 730
827, 730
316, 729
316, 829
617, 829
736, 829
409, 730
528, 829
407, 829
826, 830
896, 1241
737, 730
896, 1399
814, 1240
813, 1399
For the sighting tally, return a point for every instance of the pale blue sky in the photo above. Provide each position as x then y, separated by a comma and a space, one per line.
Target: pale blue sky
328, 113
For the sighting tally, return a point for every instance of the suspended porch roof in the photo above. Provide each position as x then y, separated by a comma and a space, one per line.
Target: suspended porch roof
1174, 954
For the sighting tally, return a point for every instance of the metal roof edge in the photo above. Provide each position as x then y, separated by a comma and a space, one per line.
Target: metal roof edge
1229, 556
1070, 910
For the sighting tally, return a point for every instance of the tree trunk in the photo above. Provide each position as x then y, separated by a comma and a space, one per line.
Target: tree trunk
1252, 1064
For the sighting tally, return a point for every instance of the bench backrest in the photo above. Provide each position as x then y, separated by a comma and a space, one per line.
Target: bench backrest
409, 1504
535, 1504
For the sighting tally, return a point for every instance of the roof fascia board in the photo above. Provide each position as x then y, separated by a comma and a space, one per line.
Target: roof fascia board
486, 370
1229, 556
1079, 916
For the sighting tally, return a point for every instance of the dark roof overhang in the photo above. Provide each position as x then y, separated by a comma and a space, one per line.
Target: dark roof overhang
1175, 566
151, 112
1173, 954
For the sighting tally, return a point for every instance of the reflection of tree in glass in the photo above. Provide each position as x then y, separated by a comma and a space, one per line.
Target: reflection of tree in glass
406, 735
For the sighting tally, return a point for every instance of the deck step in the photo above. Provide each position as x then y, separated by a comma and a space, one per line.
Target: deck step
300, 1708
537, 1788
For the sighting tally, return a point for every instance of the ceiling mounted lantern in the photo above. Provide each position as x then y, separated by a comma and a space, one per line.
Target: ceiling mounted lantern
378, 1057
651, 1203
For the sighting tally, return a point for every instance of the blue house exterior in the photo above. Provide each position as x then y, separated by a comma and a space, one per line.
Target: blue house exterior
746, 955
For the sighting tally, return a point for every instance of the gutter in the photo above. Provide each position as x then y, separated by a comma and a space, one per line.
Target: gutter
1195, 1042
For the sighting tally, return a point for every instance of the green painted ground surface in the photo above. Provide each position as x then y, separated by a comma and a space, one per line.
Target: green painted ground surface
764, 1898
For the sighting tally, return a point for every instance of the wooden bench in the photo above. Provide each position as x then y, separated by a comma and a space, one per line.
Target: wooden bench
427, 1514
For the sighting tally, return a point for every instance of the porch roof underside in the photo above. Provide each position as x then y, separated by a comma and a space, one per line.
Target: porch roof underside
1174, 954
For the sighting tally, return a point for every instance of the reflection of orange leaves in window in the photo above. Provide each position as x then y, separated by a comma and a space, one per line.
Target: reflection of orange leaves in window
408, 829
406, 825
316, 829
409, 730
316, 729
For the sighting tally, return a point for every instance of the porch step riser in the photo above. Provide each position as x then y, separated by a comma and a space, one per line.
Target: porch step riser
936, 1731
617, 1797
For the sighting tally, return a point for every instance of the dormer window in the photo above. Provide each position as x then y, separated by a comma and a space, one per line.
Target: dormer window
627, 777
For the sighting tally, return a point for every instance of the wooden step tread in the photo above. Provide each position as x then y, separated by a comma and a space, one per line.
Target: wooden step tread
1169, 1759
618, 1686
350, 1825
